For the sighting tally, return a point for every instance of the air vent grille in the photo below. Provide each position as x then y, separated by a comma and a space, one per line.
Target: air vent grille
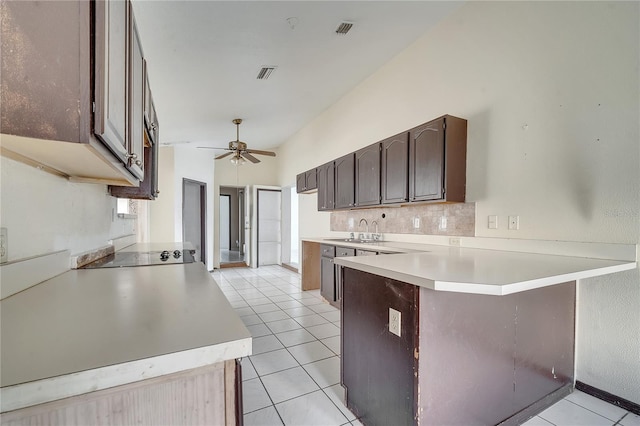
344, 28
265, 72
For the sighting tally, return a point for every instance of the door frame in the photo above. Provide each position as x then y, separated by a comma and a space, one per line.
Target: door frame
229, 215
203, 215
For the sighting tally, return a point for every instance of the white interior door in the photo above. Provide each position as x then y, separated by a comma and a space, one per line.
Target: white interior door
269, 227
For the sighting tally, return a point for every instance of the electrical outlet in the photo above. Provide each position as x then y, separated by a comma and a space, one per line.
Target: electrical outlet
416, 222
4, 245
443, 222
394, 321
454, 242
514, 222
492, 222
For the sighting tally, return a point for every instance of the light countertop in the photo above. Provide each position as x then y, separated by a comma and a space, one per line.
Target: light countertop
472, 270
146, 247
87, 330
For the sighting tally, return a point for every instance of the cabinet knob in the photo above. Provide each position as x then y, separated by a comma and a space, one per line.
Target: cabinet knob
154, 126
138, 163
132, 156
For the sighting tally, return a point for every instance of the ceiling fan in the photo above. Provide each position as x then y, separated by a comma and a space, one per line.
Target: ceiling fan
239, 150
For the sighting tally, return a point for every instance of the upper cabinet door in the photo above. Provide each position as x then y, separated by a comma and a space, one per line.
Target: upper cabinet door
426, 161
111, 52
345, 181
325, 180
395, 169
311, 179
367, 174
136, 103
301, 182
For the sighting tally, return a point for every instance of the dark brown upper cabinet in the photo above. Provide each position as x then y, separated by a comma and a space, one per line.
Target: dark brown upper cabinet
307, 181
112, 57
65, 78
395, 169
367, 175
326, 186
135, 154
150, 117
437, 160
345, 181
148, 188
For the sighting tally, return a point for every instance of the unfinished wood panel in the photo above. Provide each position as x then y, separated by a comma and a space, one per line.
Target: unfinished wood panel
195, 397
310, 265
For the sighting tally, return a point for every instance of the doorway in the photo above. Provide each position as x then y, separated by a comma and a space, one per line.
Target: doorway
269, 227
232, 227
194, 205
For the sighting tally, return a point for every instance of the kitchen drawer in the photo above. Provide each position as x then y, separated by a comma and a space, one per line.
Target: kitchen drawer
327, 250
366, 253
344, 252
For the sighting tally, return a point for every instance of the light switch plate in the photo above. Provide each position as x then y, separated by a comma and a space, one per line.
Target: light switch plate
4, 245
492, 222
395, 322
514, 222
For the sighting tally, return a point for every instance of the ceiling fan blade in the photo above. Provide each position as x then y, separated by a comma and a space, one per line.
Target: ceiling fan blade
224, 155
211, 147
255, 151
250, 157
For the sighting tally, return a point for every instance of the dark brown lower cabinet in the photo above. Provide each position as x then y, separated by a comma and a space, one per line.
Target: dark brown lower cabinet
461, 359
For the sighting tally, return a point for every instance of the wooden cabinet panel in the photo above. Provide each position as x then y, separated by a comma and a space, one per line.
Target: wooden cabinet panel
327, 279
437, 160
311, 179
367, 344
307, 181
345, 182
326, 186
136, 103
301, 182
45, 78
395, 169
426, 168
111, 71
367, 176
148, 188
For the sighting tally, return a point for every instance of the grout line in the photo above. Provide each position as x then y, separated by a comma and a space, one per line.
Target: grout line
588, 409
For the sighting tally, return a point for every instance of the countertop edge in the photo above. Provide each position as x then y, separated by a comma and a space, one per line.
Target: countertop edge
46, 390
480, 288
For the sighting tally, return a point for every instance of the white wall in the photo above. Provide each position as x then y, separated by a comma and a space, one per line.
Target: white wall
45, 213
162, 210
550, 92
177, 163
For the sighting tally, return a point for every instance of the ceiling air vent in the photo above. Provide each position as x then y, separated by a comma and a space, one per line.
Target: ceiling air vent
265, 72
344, 27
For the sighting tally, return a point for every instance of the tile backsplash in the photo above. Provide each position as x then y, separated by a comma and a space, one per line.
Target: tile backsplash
434, 219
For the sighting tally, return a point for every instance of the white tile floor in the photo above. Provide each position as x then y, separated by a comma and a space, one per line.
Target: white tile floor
293, 376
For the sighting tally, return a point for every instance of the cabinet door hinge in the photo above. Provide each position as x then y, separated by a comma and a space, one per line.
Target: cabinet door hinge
93, 107
444, 125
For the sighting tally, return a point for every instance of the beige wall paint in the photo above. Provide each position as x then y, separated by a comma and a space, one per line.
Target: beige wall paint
162, 210
550, 91
45, 213
177, 163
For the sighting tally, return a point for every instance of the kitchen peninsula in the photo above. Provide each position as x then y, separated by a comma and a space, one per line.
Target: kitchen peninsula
465, 335
122, 344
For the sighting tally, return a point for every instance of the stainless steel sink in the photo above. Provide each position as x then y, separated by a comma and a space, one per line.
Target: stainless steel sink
352, 240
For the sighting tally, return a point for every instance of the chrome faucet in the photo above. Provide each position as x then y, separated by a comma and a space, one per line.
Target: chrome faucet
376, 236
361, 236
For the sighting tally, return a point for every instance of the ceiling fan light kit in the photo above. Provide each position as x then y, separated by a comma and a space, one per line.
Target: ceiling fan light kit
239, 150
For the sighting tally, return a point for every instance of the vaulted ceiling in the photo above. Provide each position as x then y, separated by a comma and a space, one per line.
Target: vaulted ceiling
204, 58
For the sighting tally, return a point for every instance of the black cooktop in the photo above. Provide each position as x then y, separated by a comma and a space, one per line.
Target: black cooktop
122, 259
